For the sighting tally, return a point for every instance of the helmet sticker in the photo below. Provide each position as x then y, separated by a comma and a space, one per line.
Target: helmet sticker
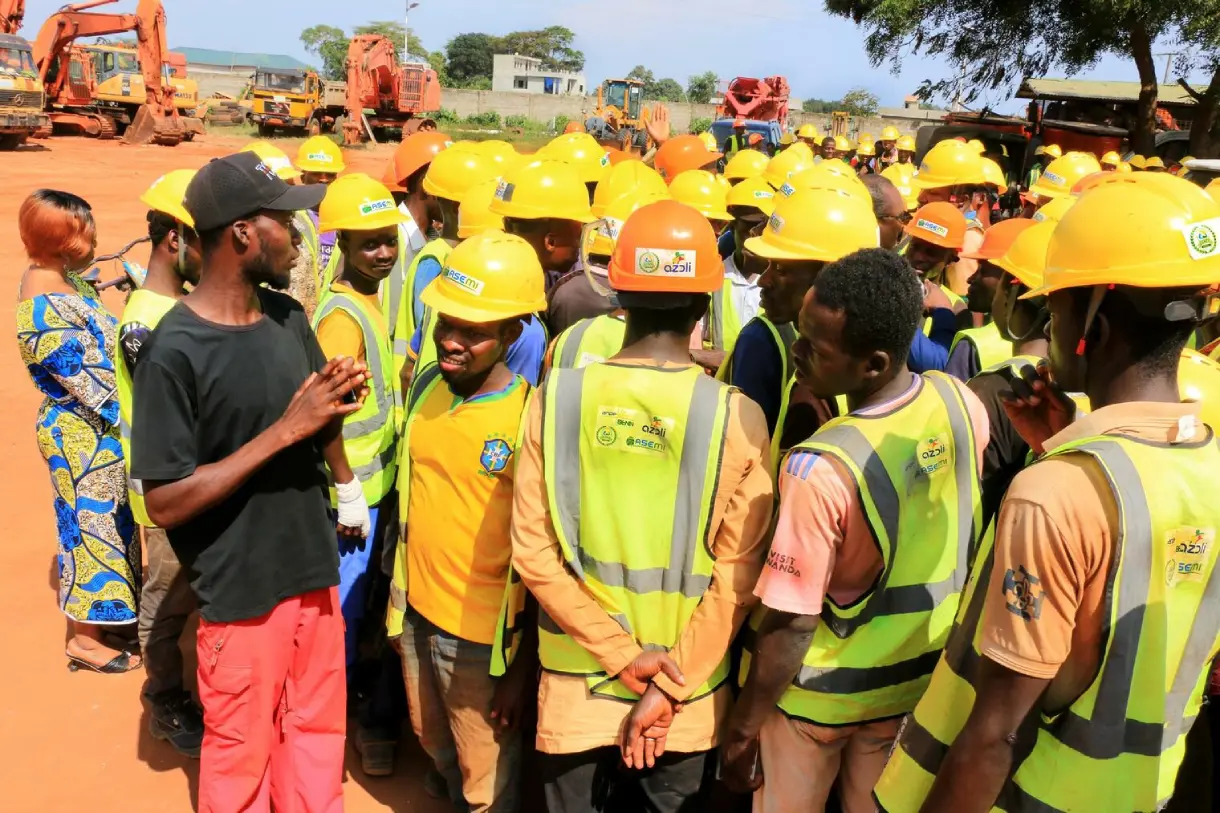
935, 228
1202, 239
661, 262
372, 207
504, 191
474, 286
320, 157
1057, 180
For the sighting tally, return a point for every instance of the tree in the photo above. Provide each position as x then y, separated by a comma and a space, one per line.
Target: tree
553, 45
641, 73
436, 60
819, 106
329, 44
470, 56
859, 102
701, 88
1033, 37
664, 90
393, 30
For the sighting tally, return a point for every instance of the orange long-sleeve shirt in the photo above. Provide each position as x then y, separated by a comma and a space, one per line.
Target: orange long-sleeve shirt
570, 718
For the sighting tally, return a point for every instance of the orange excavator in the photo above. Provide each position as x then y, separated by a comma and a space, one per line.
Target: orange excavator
69, 78
11, 14
396, 94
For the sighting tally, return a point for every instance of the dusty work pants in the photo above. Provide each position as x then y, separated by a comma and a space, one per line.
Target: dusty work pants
801, 761
274, 709
596, 781
166, 602
449, 695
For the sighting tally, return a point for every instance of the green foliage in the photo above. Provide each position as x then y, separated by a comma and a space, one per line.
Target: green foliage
436, 59
470, 55
488, 120
561, 121
860, 102
700, 125
553, 45
520, 122
445, 116
329, 44
643, 74
701, 88
819, 106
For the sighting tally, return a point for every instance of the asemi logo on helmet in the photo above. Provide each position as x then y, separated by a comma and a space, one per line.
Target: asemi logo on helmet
775, 224
1051, 177
1201, 238
787, 190
761, 195
504, 191
471, 284
935, 228
372, 207
320, 157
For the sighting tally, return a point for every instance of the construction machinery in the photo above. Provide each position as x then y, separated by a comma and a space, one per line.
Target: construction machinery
620, 118
72, 82
120, 83
21, 98
296, 100
397, 95
186, 89
757, 99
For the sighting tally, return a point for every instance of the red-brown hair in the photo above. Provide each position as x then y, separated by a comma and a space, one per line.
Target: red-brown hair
56, 228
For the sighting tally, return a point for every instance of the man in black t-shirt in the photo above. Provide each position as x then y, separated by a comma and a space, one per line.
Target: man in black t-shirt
235, 410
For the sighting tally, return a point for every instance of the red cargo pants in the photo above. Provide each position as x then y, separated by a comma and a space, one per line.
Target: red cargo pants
274, 702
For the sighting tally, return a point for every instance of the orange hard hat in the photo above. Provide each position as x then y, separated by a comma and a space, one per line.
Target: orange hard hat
941, 224
666, 247
618, 156
681, 153
998, 239
573, 127
739, 122
754, 138
413, 154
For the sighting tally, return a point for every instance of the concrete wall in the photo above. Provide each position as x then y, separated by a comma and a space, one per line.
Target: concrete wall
545, 107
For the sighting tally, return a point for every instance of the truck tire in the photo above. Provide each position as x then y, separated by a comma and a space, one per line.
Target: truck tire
265, 130
11, 141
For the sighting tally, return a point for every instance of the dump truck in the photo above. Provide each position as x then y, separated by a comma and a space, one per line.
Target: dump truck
21, 98
296, 100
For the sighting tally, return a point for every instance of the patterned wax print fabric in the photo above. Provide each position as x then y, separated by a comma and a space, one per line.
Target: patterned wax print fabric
67, 343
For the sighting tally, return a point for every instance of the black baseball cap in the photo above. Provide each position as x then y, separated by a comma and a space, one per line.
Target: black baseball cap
237, 186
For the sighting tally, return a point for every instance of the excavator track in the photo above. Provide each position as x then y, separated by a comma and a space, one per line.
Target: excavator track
108, 130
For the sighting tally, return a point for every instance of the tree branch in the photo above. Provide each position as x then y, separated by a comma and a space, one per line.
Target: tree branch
1194, 94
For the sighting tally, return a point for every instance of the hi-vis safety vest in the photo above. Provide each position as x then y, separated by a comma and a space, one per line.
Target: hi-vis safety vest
509, 631
369, 433
989, 346
619, 435
145, 308
1119, 746
402, 326
917, 474
954, 300
589, 341
724, 322
736, 143
331, 271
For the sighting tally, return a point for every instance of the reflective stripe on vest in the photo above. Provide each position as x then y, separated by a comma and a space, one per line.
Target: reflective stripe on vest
657, 435
369, 433
1120, 744
146, 308
873, 659
403, 326
589, 341
954, 301
990, 348
723, 319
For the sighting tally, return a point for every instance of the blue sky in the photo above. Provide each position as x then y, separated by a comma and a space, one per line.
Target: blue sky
822, 56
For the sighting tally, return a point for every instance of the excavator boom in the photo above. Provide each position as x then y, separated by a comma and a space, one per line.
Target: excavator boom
377, 81
12, 12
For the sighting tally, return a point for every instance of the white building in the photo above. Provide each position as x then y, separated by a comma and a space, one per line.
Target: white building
525, 74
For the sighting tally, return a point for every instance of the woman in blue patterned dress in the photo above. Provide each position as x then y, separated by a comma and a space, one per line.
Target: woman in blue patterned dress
67, 341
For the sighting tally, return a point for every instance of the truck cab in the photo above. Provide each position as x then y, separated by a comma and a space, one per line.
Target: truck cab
770, 131
284, 98
21, 96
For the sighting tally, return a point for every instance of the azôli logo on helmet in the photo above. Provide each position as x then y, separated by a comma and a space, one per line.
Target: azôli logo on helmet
680, 263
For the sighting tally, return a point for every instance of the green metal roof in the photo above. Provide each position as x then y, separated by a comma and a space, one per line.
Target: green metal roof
1100, 91
209, 56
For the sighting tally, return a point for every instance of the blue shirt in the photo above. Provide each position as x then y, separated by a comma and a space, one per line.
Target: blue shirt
725, 243
524, 357
758, 370
427, 270
932, 352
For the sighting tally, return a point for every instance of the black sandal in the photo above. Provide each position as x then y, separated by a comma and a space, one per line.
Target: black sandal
118, 664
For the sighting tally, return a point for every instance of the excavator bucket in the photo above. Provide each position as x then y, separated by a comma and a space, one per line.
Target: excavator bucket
150, 127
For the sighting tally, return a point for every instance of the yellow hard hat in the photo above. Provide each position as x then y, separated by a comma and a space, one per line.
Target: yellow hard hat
615, 215
993, 175
167, 193
901, 175
807, 131
1026, 257
866, 148
745, 164
1138, 161
865, 138
1053, 150
502, 154
698, 189
816, 224
949, 163
543, 189
1182, 169
474, 210
581, 152
842, 144
1199, 381
1146, 234
754, 193
1063, 173
1154, 162
490, 277
977, 146
273, 157
803, 150
1055, 209
905, 143
826, 175
1213, 188
320, 154
708, 140
457, 170
891, 134
627, 177
788, 162
787, 138
357, 202
1112, 158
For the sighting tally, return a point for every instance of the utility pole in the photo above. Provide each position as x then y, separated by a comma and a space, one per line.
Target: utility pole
406, 24
1168, 64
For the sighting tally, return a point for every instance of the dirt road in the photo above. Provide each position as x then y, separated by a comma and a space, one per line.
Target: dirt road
71, 743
